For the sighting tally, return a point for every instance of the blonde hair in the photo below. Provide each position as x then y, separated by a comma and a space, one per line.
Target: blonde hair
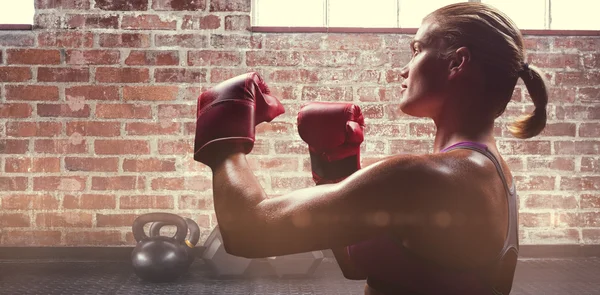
495, 41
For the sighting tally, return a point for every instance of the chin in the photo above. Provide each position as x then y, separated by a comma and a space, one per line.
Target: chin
413, 109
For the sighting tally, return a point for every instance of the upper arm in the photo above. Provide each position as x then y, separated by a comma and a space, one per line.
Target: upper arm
369, 202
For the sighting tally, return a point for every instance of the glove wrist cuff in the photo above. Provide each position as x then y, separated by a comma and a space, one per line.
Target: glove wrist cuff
325, 171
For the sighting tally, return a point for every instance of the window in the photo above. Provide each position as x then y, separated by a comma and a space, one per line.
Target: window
528, 15
16, 13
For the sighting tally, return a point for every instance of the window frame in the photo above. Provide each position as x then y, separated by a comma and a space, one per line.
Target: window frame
20, 27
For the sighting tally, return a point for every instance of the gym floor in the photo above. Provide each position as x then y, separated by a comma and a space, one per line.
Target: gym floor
578, 276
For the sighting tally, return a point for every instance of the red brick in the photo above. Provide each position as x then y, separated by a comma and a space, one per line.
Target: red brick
147, 22
60, 146
30, 202
15, 110
160, 128
214, 58
182, 40
422, 129
536, 43
175, 147
12, 183
92, 164
330, 58
146, 202
294, 42
237, 23
393, 76
206, 22
578, 112
200, 183
218, 75
90, 201
14, 146
590, 236
586, 78
591, 61
93, 92
535, 219
123, 111
32, 165
577, 42
590, 201
385, 130
118, 183
63, 75
589, 130
31, 238
226, 5
92, 21
33, 129
373, 147
291, 183
122, 5
17, 39
150, 93
115, 220
191, 94
57, 183
90, 128
66, 219
327, 93
121, 147
94, 238
411, 146
47, 21
273, 58
233, 41
193, 202
172, 111
63, 110
534, 183
122, 75
180, 75
297, 147
551, 164
284, 164
14, 220
348, 75
559, 129
400, 58
353, 42
373, 111
167, 183
589, 164
149, 165
556, 236
127, 40
33, 56
515, 163
536, 201
92, 57
373, 94
182, 5
14, 74
66, 39
31, 92
581, 219
274, 128
62, 4
577, 147
582, 183
554, 60
589, 95
520, 147
154, 57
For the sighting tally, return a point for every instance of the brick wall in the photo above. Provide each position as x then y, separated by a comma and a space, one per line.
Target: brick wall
98, 103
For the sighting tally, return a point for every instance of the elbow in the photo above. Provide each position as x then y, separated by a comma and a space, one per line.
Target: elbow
242, 243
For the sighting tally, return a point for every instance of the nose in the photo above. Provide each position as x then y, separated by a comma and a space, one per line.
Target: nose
404, 72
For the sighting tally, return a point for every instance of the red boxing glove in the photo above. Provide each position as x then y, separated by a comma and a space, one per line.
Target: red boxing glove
334, 133
229, 111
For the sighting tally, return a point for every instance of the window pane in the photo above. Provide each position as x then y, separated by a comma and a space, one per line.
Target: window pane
530, 14
305, 13
412, 12
575, 15
357, 13
19, 12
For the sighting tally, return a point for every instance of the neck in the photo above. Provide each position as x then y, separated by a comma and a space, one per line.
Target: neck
462, 124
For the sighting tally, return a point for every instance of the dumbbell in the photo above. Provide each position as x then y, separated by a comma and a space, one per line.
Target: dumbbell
224, 264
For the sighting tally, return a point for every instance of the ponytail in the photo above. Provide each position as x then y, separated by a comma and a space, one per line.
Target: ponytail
532, 124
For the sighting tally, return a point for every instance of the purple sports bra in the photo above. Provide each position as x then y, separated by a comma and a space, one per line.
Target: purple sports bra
393, 269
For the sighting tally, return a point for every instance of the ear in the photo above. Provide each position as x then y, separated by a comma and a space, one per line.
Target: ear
459, 61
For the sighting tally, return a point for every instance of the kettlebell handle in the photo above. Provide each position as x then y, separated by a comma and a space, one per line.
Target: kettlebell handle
193, 228
169, 218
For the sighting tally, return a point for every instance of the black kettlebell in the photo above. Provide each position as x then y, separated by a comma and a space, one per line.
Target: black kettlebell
191, 241
160, 259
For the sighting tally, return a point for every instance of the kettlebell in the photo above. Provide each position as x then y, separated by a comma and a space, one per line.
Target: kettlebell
191, 241
160, 259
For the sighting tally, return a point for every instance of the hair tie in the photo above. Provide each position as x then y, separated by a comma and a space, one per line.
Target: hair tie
525, 67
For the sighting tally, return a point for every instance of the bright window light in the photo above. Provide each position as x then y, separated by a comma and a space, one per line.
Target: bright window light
284, 13
575, 15
530, 14
360, 13
16, 12
412, 12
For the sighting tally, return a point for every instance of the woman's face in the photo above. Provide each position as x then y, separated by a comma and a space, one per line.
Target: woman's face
426, 76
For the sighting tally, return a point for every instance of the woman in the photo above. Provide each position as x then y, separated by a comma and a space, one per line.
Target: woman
457, 206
